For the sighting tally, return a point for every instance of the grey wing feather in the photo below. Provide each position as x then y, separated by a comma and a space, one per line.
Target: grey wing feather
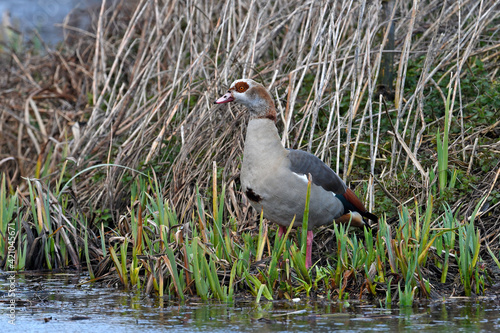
302, 162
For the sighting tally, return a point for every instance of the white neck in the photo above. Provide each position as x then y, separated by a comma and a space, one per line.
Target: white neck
263, 148
262, 136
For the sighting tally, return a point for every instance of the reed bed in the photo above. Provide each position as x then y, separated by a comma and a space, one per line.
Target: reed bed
115, 160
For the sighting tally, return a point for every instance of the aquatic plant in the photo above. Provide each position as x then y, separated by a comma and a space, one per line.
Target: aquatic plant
114, 160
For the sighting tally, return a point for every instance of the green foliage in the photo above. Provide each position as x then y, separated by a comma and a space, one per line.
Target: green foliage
469, 240
218, 264
196, 247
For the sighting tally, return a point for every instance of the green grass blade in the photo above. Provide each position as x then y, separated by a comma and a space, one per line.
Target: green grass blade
172, 266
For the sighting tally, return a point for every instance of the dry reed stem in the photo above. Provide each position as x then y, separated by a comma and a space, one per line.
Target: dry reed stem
141, 86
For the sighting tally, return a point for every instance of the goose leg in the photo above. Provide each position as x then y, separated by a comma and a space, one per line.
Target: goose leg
310, 236
281, 231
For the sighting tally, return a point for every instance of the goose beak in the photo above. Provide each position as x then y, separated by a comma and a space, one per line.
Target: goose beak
228, 97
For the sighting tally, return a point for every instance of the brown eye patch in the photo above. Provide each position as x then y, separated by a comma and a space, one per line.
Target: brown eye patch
241, 87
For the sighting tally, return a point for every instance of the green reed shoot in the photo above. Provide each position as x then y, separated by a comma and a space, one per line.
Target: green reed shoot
103, 239
469, 241
303, 276
322, 277
232, 277
86, 249
369, 246
60, 179
407, 295
388, 296
442, 148
277, 252
201, 216
380, 251
423, 237
257, 288
358, 253
33, 208
196, 266
218, 209
493, 256
122, 274
341, 237
370, 259
244, 255
22, 252
299, 263
8, 205
261, 240
449, 222
177, 281
425, 243
135, 269
211, 272
41, 216
164, 216
386, 238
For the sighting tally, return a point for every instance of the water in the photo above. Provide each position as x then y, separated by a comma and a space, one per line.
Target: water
56, 302
27, 15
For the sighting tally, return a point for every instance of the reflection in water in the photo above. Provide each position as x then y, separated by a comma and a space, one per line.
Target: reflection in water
22, 16
56, 302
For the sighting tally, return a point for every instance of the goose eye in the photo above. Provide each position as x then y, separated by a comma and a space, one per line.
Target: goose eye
241, 87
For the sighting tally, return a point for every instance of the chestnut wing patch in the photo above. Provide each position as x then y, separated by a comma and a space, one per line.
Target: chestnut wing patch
351, 202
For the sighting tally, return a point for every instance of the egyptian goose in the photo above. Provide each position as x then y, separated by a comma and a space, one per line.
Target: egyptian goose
275, 179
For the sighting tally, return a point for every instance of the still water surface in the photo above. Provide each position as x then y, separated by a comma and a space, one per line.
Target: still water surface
43, 15
55, 303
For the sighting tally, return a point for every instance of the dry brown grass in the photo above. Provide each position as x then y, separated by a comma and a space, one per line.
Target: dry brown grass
137, 90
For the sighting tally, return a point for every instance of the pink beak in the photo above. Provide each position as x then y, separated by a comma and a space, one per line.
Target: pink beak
225, 99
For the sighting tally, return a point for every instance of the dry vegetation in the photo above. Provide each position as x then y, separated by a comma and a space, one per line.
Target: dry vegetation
136, 91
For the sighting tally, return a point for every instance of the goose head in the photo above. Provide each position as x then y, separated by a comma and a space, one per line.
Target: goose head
253, 95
